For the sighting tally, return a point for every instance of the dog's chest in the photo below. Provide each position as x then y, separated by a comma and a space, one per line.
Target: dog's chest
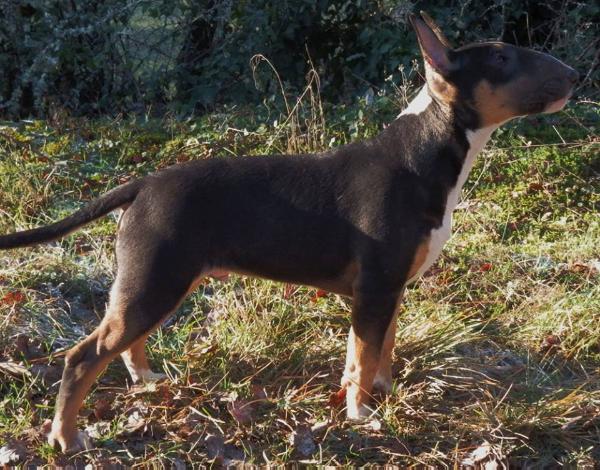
439, 236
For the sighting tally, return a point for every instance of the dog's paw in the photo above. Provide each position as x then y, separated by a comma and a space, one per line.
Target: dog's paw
150, 377
382, 385
356, 404
147, 376
70, 443
358, 413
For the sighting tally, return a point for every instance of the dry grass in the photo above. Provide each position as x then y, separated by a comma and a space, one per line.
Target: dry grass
498, 347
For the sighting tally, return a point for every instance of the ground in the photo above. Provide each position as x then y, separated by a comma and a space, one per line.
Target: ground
498, 346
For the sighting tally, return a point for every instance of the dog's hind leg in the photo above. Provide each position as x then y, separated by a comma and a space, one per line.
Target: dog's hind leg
134, 311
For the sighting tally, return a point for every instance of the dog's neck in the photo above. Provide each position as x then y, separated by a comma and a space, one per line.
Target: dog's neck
438, 143
444, 139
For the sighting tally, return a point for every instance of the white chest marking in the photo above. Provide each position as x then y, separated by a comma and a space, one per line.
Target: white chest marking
439, 236
418, 104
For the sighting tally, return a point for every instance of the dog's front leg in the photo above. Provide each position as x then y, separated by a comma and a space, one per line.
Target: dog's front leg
383, 378
372, 313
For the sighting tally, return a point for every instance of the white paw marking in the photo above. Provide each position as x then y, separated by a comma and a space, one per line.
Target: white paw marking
147, 376
355, 410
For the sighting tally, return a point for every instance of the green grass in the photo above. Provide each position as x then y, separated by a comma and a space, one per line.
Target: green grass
499, 343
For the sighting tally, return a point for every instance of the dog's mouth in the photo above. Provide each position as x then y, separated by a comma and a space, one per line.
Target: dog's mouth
557, 105
552, 97
556, 95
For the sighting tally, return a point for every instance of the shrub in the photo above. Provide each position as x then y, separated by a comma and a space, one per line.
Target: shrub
110, 56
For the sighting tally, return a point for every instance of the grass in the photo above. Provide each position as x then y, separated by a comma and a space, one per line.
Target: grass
498, 346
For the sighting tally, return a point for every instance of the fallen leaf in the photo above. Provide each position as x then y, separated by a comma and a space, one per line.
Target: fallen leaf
215, 446
12, 298
318, 294
486, 457
98, 430
550, 344
336, 399
12, 453
302, 441
485, 267
15, 370
241, 410
102, 409
583, 268
135, 422
536, 187
143, 388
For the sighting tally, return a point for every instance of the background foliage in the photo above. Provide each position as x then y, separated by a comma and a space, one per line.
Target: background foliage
111, 56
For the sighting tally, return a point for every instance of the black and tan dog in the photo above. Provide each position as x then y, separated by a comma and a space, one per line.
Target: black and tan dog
362, 220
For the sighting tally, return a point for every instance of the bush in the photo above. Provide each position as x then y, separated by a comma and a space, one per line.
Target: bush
110, 56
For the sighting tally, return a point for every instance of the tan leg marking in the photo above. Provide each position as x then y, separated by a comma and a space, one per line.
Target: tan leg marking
383, 378
83, 364
220, 274
361, 367
118, 331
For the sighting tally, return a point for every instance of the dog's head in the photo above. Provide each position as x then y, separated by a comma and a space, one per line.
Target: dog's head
499, 81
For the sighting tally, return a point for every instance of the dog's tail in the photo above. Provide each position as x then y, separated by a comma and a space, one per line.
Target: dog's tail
97, 208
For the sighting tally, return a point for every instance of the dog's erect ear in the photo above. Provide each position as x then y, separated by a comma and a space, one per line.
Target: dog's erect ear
434, 45
436, 29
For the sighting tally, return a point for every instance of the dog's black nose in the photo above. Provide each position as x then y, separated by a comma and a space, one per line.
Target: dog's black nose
572, 75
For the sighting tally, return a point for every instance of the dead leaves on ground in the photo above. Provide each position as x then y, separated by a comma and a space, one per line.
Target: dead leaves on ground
12, 298
13, 452
486, 457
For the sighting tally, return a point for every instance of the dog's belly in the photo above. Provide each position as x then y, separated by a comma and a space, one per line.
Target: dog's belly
340, 284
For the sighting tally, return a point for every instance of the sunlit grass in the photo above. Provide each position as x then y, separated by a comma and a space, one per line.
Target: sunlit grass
499, 343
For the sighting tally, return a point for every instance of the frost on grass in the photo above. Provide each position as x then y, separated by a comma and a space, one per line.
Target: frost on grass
498, 348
